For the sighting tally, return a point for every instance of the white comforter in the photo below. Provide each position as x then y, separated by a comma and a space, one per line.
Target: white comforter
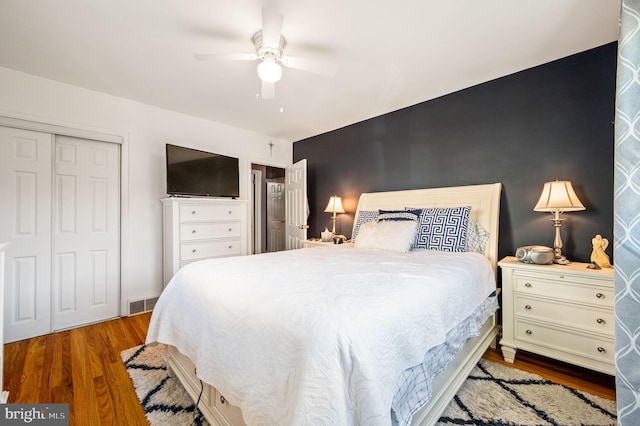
316, 336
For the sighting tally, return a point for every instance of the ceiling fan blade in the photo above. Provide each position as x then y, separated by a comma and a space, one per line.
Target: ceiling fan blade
268, 90
226, 56
309, 65
271, 27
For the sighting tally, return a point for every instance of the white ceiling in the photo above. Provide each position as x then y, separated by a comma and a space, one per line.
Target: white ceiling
389, 55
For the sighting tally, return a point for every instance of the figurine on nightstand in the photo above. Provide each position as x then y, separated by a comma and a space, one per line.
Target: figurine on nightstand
598, 256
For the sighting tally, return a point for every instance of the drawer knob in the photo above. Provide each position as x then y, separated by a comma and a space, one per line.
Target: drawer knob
230, 211
230, 229
527, 307
222, 399
601, 349
193, 251
231, 246
527, 285
193, 212
600, 295
529, 332
193, 231
600, 321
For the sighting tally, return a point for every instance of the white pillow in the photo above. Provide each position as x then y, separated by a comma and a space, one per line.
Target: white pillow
388, 235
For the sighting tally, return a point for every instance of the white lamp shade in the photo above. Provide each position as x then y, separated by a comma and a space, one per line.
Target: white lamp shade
269, 71
335, 205
558, 196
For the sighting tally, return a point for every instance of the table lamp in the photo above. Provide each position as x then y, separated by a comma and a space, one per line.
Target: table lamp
558, 197
335, 207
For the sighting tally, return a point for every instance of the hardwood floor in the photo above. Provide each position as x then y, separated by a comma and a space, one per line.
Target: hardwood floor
82, 367
595, 383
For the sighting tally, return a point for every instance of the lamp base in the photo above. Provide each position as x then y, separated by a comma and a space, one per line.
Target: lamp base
560, 259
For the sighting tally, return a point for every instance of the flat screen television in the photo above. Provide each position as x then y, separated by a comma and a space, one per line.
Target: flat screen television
191, 172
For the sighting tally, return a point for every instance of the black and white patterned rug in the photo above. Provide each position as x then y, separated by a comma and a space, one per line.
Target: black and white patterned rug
493, 395
165, 401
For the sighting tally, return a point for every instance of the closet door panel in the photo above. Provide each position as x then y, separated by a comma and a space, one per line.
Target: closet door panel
25, 185
26, 197
25, 273
100, 277
86, 224
65, 267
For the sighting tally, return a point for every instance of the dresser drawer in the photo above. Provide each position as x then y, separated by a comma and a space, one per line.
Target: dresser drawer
586, 318
199, 212
564, 340
555, 286
201, 250
202, 231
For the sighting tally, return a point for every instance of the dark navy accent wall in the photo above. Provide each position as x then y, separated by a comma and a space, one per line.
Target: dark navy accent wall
554, 121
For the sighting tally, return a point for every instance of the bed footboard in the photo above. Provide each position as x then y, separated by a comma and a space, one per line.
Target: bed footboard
447, 383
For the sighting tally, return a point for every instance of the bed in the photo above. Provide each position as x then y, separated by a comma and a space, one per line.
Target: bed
324, 335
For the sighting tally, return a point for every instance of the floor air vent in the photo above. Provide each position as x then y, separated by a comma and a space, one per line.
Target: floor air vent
139, 306
150, 303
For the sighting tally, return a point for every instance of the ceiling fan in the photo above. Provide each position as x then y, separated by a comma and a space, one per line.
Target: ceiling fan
269, 46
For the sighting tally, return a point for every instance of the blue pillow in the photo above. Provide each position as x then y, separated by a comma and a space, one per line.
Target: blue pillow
443, 228
364, 216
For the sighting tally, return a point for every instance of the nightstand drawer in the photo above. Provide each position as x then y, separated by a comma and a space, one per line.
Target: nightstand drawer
201, 231
201, 250
564, 340
317, 243
574, 291
572, 315
197, 212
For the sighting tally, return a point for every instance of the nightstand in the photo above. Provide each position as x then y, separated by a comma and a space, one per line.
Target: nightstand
316, 243
563, 312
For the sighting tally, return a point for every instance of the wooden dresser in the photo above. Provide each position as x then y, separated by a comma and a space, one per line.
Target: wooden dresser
563, 312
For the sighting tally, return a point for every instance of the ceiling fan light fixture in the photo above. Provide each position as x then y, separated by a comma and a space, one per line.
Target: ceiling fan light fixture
269, 71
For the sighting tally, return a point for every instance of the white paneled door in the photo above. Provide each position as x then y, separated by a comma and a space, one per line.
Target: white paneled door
86, 214
61, 214
25, 191
297, 208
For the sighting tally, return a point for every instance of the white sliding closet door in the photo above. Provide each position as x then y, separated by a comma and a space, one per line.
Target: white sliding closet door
25, 191
61, 214
86, 244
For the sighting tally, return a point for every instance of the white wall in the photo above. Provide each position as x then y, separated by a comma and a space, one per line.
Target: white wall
146, 130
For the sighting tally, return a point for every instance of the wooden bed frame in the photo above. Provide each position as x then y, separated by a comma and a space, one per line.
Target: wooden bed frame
485, 207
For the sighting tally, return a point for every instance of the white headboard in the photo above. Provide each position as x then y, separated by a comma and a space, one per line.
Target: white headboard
483, 199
